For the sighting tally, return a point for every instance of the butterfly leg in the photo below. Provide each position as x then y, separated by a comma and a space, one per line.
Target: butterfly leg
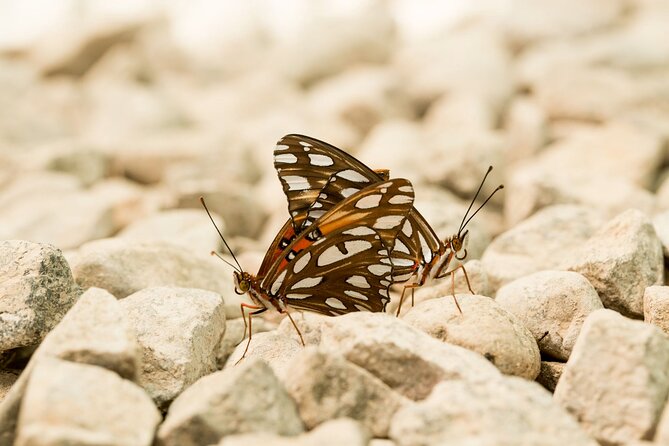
455, 299
296, 329
412, 287
253, 313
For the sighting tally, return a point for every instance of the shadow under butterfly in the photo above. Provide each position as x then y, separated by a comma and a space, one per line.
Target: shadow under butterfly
340, 265
316, 176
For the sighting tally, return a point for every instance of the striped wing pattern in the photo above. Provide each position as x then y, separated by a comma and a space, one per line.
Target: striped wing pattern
342, 262
314, 188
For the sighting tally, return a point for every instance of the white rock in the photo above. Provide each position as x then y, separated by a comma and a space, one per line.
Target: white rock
310, 325
326, 386
7, 379
503, 411
341, 431
392, 350
234, 332
656, 306
277, 350
69, 403
616, 382
242, 399
553, 306
124, 266
621, 260
526, 125
178, 331
36, 290
460, 114
541, 242
661, 225
484, 327
550, 373
189, 228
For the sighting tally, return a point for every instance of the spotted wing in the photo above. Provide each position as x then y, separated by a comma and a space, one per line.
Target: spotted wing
416, 244
305, 165
342, 263
283, 238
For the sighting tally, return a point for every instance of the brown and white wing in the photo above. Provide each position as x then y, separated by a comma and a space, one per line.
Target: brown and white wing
416, 244
305, 165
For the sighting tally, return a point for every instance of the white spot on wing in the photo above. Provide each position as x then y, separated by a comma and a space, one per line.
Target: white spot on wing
285, 158
388, 221
297, 296
277, 283
348, 191
333, 254
359, 231
402, 262
360, 307
301, 263
407, 229
400, 199
296, 182
403, 278
352, 175
317, 213
406, 188
335, 303
358, 281
355, 294
281, 147
320, 160
401, 247
305, 144
368, 202
379, 270
307, 283
427, 254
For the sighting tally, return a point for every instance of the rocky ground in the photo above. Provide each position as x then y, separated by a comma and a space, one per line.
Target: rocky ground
118, 328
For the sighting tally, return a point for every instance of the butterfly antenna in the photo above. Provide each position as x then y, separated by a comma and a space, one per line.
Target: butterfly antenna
500, 187
214, 253
221, 235
462, 223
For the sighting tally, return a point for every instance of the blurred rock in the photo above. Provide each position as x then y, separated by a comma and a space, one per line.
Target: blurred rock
621, 260
541, 242
460, 114
656, 306
37, 290
503, 411
550, 373
189, 228
179, 331
392, 350
484, 327
242, 399
526, 126
341, 431
661, 226
326, 386
125, 266
277, 350
234, 332
553, 306
365, 36
615, 382
7, 379
69, 403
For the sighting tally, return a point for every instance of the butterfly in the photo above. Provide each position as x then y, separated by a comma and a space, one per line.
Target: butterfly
340, 265
316, 176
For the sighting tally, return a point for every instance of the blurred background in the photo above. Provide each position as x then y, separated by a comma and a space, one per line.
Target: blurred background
115, 114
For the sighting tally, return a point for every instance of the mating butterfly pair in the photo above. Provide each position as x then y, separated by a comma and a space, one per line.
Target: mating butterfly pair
352, 233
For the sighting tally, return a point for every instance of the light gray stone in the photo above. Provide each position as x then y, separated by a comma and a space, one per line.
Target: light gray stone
617, 378
541, 242
526, 127
504, 411
338, 432
621, 260
243, 399
484, 327
661, 225
36, 290
234, 332
326, 386
178, 331
70, 403
124, 266
7, 379
550, 373
408, 360
276, 349
656, 306
553, 306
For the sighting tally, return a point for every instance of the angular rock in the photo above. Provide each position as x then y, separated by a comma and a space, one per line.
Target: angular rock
179, 331
36, 290
189, 228
553, 306
342, 431
621, 260
326, 386
550, 373
541, 242
503, 411
242, 399
124, 266
234, 332
407, 360
277, 350
616, 382
70, 403
656, 306
484, 327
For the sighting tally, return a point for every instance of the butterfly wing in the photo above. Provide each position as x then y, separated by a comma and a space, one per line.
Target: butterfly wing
283, 238
342, 263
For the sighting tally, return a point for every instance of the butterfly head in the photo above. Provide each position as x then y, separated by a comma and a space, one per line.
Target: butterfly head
242, 282
458, 243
